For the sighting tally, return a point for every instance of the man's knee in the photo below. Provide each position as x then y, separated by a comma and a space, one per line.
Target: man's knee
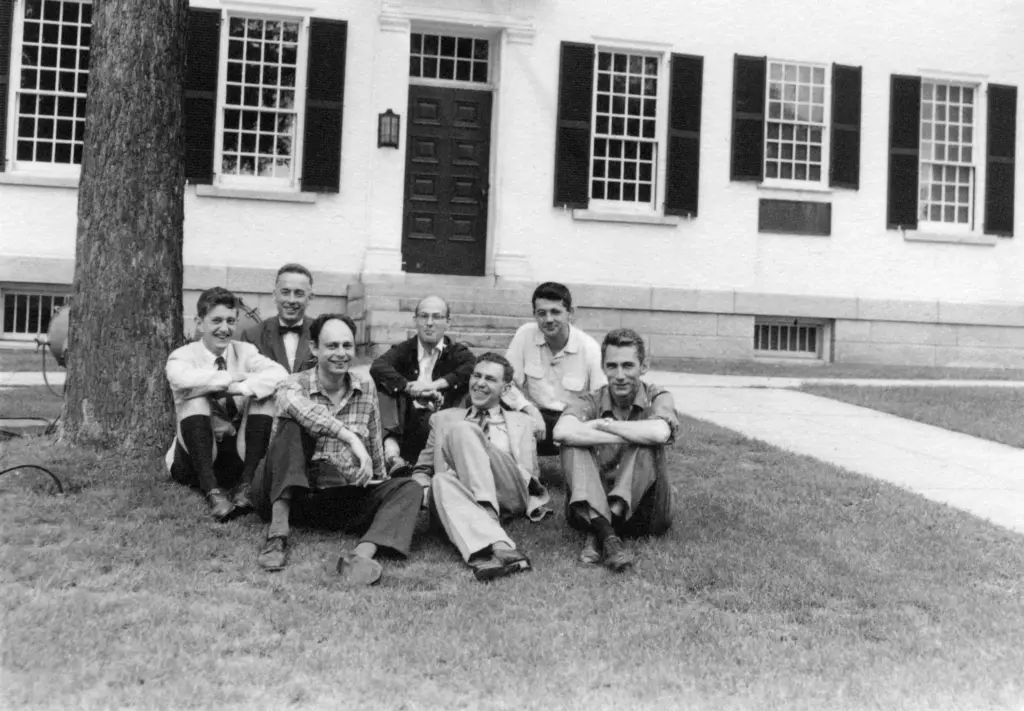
193, 407
266, 406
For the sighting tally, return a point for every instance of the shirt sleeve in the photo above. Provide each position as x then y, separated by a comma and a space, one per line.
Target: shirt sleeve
663, 407
583, 407
375, 446
595, 369
263, 374
189, 380
516, 355
317, 419
385, 373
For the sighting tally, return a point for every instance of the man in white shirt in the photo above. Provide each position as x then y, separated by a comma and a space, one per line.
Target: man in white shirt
554, 362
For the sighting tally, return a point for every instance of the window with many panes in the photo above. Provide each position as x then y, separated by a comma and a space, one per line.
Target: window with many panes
449, 58
624, 155
794, 146
51, 73
947, 174
261, 101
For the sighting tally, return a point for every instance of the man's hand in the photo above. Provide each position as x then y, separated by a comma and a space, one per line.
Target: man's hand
417, 389
365, 472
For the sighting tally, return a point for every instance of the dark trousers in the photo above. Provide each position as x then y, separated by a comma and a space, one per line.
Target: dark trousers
227, 467
406, 423
547, 447
383, 514
634, 474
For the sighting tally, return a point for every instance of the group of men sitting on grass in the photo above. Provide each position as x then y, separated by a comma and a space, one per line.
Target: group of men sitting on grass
433, 427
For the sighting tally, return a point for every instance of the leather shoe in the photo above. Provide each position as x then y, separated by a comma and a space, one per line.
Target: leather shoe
359, 570
513, 560
274, 554
241, 497
616, 557
398, 467
220, 505
591, 553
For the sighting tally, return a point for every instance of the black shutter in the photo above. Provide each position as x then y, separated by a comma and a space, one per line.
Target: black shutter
202, 59
6, 24
748, 118
904, 151
683, 162
325, 98
572, 140
999, 168
844, 168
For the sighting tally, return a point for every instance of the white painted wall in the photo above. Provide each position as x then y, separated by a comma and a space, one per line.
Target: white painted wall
720, 249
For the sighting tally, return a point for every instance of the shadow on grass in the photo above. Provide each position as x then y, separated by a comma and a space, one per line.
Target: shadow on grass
784, 583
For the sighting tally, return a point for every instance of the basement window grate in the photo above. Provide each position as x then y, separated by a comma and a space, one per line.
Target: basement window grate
789, 339
29, 313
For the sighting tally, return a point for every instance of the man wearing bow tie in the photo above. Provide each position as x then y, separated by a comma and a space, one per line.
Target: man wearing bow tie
285, 336
480, 464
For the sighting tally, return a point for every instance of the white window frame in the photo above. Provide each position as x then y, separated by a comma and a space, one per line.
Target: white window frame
253, 182
975, 226
14, 167
822, 184
29, 291
476, 33
662, 53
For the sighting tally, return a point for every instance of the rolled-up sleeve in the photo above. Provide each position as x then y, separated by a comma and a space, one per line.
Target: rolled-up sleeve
663, 407
584, 408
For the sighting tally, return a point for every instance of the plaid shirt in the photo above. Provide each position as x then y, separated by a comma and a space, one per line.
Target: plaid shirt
301, 398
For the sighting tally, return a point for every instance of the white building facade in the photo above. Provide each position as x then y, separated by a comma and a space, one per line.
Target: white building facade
734, 178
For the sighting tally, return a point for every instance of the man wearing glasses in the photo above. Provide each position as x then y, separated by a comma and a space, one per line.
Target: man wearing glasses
417, 377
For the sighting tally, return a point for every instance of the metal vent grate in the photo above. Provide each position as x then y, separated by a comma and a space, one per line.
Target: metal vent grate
787, 339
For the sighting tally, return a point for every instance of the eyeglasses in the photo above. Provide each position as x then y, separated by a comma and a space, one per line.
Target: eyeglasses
431, 317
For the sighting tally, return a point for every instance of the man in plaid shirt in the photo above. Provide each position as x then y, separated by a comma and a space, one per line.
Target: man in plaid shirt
325, 465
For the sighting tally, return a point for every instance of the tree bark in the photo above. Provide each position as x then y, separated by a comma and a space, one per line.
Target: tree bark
126, 314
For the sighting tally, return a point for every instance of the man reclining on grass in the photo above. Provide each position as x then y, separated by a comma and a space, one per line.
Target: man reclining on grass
482, 461
325, 466
614, 443
222, 402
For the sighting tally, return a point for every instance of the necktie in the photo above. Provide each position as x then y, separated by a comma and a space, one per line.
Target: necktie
482, 420
227, 403
296, 329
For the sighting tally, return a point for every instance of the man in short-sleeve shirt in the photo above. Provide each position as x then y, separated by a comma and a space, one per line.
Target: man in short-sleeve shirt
553, 362
614, 443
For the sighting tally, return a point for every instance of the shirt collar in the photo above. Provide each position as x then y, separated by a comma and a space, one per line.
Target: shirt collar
421, 352
494, 412
642, 400
571, 346
209, 357
315, 387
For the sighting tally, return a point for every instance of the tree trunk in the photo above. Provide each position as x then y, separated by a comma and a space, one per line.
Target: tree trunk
126, 314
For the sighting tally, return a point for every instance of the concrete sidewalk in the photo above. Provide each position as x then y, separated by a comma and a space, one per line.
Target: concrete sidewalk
978, 476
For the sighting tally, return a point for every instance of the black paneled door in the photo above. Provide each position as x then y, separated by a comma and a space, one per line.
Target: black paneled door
446, 181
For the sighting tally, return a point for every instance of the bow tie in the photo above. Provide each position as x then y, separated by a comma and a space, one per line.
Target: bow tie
296, 329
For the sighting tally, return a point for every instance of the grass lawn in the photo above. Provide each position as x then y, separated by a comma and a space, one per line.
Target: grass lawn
991, 413
831, 370
785, 584
30, 401
26, 360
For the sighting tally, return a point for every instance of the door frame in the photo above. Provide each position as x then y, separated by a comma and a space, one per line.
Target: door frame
497, 36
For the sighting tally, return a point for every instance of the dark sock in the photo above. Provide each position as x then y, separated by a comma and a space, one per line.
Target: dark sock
257, 440
197, 436
602, 527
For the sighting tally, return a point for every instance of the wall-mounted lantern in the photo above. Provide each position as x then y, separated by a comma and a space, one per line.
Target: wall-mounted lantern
388, 125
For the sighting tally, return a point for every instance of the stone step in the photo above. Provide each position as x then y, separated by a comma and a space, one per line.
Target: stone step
407, 304
444, 290
466, 322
